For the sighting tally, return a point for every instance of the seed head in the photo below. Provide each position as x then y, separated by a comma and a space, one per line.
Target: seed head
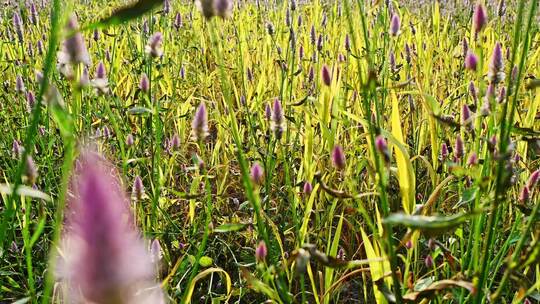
308, 188
138, 188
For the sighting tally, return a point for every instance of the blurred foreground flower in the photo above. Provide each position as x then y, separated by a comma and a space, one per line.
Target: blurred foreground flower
102, 258
155, 45
211, 8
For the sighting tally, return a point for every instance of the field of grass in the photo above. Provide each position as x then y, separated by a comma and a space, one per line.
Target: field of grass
269, 151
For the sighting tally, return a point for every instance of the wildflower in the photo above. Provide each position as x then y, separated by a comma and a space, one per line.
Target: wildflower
96, 35
19, 85
496, 65
524, 195
270, 28
479, 18
40, 47
129, 140
268, 112
471, 61
211, 8
472, 91
392, 61
17, 149
326, 76
277, 119
347, 43
199, 125
395, 25
18, 25
473, 159
31, 170
256, 174
166, 7
34, 19
84, 81
308, 188
311, 74
409, 244
485, 109
288, 18
382, 147
178, 21
138, 188
514, 73
175, 142
408, 56
100, 82
459, 149
301, 52
444, 151
30, 101
155, 251
320, 43
73, 49
466, 116
533, 179
338, 157
313, 35
501, 8
502, 95
293, 5
154, 47
104, 259
182, 72
428, 261
144, 83
261, 251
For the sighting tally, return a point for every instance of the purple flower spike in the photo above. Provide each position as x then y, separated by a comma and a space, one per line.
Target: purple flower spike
338, 158
533, 179
30, 101
31, 170
496, 65
268, 112
130, 140
473, 159
471, 61
466, 116
459, 148
479, 18
104, 260
175, 142
138, 188
395, 25
326, 76
18, 25
524, 195
74, 49
19, 85
277, 120
347, 43
144, 84
154, 47
444, 151
178, 21
17, 149
199, 125
261, 251
382, 147
256, 174
308, 188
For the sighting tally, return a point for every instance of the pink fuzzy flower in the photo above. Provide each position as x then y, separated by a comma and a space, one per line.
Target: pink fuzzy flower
103, 259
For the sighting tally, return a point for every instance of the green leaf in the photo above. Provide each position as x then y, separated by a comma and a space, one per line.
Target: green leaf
139, 111
24, 191
230, 227
127, 13
429, 225
468, 196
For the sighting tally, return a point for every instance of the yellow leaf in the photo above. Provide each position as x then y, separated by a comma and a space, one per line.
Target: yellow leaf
406, 176
376, 268
204, 274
